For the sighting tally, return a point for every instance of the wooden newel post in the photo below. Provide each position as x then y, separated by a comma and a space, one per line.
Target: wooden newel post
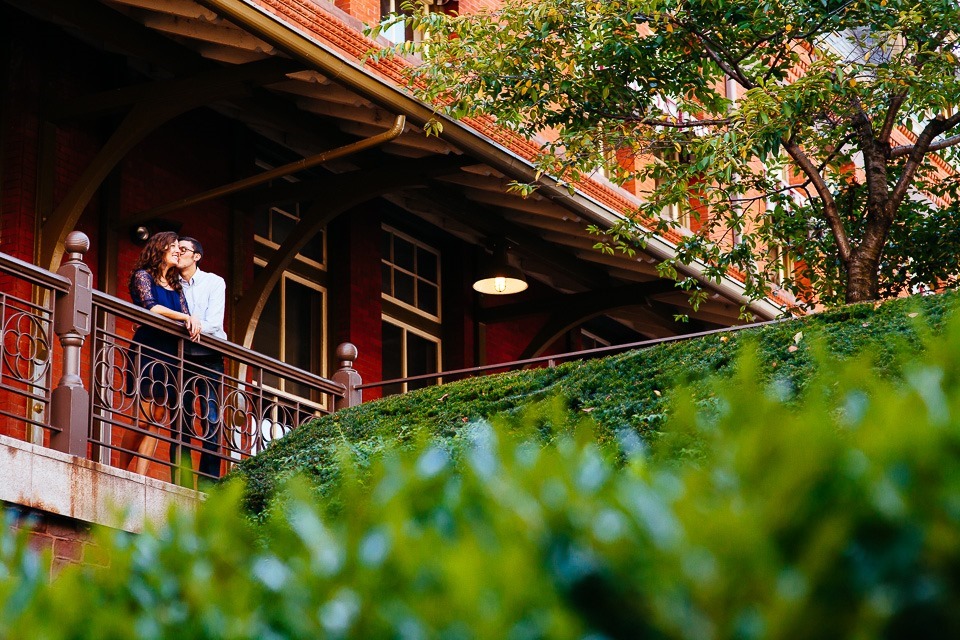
70, 404
348, 377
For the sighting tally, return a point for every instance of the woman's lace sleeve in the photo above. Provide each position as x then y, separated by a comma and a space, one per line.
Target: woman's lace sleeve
184, 308
141, 290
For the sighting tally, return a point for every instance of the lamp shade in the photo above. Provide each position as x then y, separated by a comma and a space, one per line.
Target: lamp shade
499, 278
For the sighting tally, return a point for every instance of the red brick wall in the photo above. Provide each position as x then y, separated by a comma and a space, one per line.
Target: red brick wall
19, 148
62, 541
507, 341
354, 311
472, 6
182, 158
367, 11
459, 326
42, 68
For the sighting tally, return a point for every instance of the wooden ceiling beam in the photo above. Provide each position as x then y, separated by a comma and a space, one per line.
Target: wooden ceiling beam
282, 193
640, 263
596, 301
181, 8
412, 137
516, 202
116, 31
546, 223
219, 33
364, 115
229, 55
325, 91
469, 178
212, 84
493, 225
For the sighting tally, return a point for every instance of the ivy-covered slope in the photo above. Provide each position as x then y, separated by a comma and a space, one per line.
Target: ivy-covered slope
631, 390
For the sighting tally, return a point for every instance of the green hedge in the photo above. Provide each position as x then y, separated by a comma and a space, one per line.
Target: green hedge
630, 390
833, 514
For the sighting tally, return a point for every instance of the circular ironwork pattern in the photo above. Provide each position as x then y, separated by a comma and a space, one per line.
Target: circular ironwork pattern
112, 384
26, 346
239, 424
277, 423
242, 418
201, 406
158, 384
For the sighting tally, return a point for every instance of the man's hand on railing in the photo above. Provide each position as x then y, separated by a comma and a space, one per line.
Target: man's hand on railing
193, 325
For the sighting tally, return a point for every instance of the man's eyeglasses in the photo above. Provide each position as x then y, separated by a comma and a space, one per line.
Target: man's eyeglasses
184, 250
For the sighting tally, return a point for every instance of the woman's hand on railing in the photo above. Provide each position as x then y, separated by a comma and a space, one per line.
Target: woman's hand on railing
194, 325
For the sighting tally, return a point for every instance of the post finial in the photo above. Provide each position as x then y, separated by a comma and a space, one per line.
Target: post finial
347, 376
77, 244
346, 354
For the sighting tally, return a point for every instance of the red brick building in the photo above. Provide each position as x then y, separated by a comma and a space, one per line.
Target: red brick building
120, 118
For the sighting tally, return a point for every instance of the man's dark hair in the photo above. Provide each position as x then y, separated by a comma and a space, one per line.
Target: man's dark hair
197, 247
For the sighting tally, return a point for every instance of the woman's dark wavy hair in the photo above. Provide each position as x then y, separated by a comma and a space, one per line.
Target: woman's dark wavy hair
151, 259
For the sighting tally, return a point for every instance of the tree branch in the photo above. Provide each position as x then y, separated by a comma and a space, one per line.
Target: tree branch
919, 149
889, 121
729, 67
663, 123
823, 190
946, 143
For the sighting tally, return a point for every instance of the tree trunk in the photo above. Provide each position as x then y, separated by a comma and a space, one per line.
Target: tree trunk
863, 264
863, 279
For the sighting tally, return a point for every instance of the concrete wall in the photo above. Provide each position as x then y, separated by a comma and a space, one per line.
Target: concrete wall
58, 498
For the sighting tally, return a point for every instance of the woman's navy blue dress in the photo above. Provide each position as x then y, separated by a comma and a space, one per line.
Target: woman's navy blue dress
158, 353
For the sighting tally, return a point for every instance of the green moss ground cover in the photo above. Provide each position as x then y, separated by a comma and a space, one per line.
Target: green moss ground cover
631, 390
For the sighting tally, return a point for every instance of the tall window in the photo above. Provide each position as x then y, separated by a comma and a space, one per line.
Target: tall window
410, 273
291, 326
410, 284
675, 211
408, 353
400, 32
291, 330
276, 224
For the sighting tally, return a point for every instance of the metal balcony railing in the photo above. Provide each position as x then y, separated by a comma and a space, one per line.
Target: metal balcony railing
124, 404
26, 364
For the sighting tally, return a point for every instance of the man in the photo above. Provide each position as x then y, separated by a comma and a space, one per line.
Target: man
206, 296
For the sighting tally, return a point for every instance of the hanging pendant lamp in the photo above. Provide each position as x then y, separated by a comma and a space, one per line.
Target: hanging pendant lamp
498, 277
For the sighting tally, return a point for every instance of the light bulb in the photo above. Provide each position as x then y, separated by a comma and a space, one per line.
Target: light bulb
500, 284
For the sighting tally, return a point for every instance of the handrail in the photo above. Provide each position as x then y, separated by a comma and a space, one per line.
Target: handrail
142, 316
571, 355
124, 399
33, 273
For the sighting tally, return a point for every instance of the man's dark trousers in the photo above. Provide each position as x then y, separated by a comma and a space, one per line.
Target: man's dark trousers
202, 375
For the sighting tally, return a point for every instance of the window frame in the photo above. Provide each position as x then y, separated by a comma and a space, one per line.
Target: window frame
384, 260
408, 328
321, 356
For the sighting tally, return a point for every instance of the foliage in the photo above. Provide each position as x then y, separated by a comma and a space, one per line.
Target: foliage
828, 154
632, 390
834, 517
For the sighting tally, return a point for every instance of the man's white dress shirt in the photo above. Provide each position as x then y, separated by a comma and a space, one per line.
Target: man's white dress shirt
206, 297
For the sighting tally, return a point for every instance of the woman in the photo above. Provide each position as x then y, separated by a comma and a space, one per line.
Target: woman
155, 286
